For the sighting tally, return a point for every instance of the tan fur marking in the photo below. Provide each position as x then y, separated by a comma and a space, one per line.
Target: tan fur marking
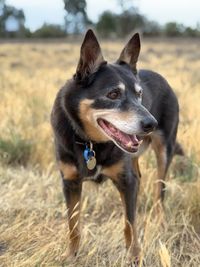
122, 86
113, 171
74, 224
88, 116
69, 171
130, 234
136, 167
138, 88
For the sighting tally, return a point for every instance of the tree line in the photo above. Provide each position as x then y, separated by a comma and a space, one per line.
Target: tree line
76, 21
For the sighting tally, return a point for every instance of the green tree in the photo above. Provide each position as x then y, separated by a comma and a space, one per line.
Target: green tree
6, 12
107, 24
125, 4
173, 29
151, 28
76, 19
49, 31
130, 20
76, 6
120, 24
2, 17
191, 32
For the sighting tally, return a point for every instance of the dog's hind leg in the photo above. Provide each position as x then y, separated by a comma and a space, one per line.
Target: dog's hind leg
164, 153
72, 187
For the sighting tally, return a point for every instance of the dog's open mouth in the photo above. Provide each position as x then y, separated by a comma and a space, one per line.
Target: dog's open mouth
128, 142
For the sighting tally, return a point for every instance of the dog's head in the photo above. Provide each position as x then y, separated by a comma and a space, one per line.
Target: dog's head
105, 100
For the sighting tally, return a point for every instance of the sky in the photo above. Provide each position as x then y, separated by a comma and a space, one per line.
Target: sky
51, 11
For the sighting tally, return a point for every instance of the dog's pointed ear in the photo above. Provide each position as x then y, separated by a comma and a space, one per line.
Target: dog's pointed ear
90, 56
130, 53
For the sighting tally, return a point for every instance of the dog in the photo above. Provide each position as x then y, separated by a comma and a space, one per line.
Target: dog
103, 119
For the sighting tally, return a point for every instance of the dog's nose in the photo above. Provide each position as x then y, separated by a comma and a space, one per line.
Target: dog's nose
149, 124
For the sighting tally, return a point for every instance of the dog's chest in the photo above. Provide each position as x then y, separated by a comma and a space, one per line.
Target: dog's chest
96, 176
105, 154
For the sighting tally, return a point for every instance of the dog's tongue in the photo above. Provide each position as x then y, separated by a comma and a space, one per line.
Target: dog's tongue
128, 142
126, 139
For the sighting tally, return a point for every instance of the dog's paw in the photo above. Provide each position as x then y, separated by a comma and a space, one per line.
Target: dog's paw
133, 257
158, 215
135, 262
69, 255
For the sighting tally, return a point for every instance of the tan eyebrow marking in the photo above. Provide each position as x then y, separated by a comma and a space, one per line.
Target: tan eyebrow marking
121, 86
138, 88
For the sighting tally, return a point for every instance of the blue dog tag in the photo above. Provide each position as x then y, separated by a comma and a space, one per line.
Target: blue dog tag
89, 156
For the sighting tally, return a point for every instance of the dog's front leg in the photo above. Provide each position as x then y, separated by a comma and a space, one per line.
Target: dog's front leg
72, 191
126, 177
128, 187
72, 187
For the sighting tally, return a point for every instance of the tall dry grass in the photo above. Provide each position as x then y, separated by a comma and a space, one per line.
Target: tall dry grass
33, 228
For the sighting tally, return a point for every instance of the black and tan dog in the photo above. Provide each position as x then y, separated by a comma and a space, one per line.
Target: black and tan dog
103, 120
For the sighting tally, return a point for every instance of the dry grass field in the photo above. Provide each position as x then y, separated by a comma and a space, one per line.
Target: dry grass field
33, 228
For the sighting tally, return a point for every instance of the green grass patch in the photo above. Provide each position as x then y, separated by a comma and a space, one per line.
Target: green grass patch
185, 169
15, 150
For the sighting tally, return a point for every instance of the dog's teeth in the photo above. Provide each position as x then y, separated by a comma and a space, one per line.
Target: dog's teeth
129, 144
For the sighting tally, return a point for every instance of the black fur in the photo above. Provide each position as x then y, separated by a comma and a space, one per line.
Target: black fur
94, 80
158, 98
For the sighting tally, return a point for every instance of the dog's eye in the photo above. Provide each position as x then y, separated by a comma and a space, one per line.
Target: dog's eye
114, 94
